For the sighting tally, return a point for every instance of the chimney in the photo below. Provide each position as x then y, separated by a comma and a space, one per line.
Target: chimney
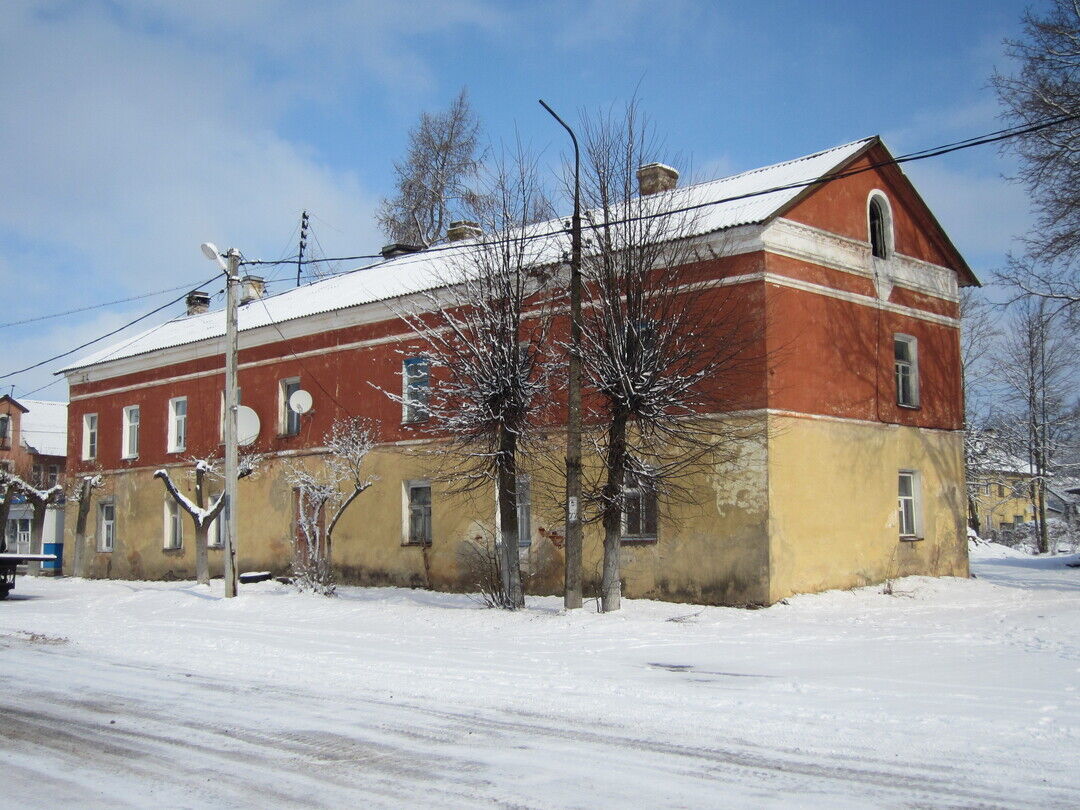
251, 288
398, 249
197, 302
463, 229
656, 177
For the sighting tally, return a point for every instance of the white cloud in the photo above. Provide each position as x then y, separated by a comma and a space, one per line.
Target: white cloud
132, 131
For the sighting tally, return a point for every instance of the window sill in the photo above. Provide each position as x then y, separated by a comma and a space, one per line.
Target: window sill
911, 538
173, 550
409, 544
908, 407
637, 540
129, 458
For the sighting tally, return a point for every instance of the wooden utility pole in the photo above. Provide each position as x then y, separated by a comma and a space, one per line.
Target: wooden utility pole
572, 550
231, 406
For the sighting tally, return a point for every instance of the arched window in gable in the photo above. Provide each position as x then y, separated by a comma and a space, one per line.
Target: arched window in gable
880, 224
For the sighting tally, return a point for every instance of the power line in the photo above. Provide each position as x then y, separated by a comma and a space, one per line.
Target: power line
922, 154
107, 334
96, 306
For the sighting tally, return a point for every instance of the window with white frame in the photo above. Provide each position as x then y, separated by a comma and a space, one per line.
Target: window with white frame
174, 526
523, 499
639, 507
106, 526
288, 419
177, 424
89, 436
215, 534
416, 388
130, 437
5, 431
908, 503
906, 362
418, 513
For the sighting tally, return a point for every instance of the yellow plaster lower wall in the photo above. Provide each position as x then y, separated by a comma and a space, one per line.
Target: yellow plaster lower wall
834, 519
757, 528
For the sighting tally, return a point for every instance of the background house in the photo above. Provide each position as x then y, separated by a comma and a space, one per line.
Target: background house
850, 283
33, 445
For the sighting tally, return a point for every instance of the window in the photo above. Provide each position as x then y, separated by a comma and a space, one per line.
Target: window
89, 436
290, 419
639, 507
418, 495
54, 475
416, 389
106, 526
38, 475
215, 535
130, 440
1018, 519
18, 535
524, 510
879, 222
177, 424
1001, 490
5, 432
174, 527
907, 495
905, 352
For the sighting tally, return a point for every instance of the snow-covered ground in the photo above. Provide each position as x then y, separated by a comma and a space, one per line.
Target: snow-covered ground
949, 693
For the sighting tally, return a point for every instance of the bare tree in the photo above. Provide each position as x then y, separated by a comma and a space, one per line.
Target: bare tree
333, 483
203, 513
1037, 368
82, 493
665, 356
486, 332
433, 182
1046, 87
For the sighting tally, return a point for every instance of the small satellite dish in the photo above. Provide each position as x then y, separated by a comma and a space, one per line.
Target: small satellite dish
247, 425
300, 401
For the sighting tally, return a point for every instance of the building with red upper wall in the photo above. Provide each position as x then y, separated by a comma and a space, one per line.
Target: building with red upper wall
851, 283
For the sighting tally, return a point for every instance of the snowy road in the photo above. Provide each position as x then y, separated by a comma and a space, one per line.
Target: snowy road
955, 694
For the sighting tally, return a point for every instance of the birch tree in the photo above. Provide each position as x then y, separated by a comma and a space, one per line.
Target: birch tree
202, 511
1038, 367
978, 339
661, 355
332, 484
486, 332
435, 181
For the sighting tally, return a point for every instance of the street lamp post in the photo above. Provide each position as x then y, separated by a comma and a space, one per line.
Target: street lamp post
572, 583
231, 266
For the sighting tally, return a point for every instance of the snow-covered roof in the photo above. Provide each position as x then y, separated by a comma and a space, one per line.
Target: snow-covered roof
44, 427
750, 197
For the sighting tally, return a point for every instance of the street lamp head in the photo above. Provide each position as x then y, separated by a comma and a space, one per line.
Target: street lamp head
211, 252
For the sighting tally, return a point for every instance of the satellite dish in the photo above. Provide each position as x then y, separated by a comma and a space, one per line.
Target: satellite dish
300, 401
247, 425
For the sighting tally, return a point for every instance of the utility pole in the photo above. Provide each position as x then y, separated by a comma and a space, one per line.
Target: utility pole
231, 405
572, 574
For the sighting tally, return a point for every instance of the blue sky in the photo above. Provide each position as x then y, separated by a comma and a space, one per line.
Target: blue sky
133, 130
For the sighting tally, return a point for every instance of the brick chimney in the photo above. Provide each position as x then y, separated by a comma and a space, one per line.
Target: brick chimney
197, 302
251, 288
656, 177
463, 229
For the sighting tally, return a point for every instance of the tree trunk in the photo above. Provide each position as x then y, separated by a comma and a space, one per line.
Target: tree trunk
5, 508
37, 526
611, 582
79, 552
508, 521
973, 515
